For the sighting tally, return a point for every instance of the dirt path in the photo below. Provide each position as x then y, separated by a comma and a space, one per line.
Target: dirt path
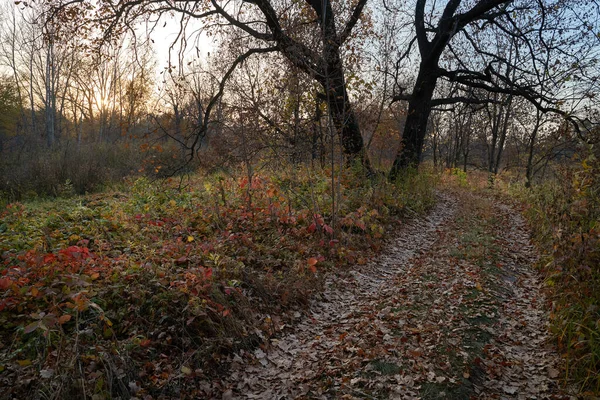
452, 309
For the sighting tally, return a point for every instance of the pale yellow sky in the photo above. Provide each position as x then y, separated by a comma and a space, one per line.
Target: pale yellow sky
164, 35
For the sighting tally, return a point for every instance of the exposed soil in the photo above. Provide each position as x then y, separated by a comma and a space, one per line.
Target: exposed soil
453, 308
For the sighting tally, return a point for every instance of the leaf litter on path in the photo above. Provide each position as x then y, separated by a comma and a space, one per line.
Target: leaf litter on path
451, 309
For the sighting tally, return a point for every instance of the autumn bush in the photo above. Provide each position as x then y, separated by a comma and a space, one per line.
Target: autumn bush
69, 169
148, 290
565, 216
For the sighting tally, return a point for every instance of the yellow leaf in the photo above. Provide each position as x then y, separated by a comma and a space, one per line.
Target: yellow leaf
24, 363
190, 239
186, 370
172, 203
479, 287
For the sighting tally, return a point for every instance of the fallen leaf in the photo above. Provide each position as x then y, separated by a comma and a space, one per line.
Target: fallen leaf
509, 389
46, 373
186, 370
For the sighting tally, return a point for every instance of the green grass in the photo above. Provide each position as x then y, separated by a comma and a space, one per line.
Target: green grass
386, 368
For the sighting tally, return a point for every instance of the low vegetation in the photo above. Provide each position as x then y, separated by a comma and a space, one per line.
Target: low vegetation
147, 289
73, 169
565, 216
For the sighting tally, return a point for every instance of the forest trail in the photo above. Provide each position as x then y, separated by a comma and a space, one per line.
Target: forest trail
451, 309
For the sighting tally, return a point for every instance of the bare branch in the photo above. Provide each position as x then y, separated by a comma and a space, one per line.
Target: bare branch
202, 130
352, 21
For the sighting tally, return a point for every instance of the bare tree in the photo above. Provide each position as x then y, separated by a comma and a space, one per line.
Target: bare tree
545, 35
266, 24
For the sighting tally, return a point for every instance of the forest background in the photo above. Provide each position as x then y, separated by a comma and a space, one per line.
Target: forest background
266, 118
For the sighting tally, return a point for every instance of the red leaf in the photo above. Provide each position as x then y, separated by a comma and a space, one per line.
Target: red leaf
328, 229
312, 228
5, 283
49, 258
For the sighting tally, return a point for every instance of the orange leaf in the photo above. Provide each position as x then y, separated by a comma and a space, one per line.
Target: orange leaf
312, 261
145, 342
64, 318
313, 269
415, 353
95, 275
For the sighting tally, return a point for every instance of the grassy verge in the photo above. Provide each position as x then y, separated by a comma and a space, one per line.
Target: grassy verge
564, 215
473, 245
146, 291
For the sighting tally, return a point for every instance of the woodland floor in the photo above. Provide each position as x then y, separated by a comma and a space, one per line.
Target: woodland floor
453, 309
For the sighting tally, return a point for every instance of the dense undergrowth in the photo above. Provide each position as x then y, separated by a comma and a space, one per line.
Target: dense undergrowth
147, 291
565, 217
36, 172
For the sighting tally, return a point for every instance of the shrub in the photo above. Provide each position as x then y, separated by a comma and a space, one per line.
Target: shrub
70, 169
565, 216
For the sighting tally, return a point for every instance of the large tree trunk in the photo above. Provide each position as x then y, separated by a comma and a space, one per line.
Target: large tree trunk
415, 127
342, 113
334, 84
